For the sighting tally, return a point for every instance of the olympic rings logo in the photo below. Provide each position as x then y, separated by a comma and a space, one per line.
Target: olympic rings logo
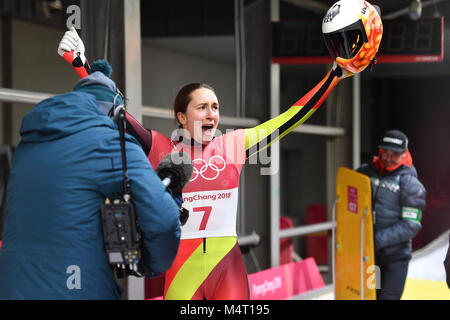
208, 165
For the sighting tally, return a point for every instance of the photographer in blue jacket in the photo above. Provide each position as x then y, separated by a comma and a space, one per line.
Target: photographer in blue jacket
67, 163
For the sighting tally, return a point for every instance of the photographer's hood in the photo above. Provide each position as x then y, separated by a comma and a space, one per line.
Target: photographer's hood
63, 115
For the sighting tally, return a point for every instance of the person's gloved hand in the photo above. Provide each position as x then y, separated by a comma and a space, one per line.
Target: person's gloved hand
71, 42
184, 213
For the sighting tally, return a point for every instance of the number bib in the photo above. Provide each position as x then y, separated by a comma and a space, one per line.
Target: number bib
211, 196
211, 214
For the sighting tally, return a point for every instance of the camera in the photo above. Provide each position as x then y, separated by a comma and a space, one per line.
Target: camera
123, 239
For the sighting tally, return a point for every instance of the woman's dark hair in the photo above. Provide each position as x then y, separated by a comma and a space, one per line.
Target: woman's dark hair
184, 97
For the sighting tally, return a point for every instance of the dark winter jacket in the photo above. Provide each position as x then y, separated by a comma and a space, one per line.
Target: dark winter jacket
398, 199
67, 163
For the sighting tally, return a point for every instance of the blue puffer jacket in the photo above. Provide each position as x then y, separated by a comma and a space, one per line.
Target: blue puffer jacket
396, 197
67, 163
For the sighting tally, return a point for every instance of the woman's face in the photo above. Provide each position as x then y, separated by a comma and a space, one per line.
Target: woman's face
202, 115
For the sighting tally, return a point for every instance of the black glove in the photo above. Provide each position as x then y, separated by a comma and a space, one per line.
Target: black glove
184, 213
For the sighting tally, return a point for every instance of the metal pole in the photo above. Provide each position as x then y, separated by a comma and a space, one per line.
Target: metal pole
274, 173
21, 96
252, 239
275, 155
239, 41
237, 49
133, 90
356, 138
242, 94
320, 130
305, 230
133, 58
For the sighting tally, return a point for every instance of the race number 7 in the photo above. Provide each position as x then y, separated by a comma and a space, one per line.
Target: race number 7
207, 213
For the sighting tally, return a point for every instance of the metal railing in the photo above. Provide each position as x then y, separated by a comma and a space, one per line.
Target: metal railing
31, 97
306, 230
21, 96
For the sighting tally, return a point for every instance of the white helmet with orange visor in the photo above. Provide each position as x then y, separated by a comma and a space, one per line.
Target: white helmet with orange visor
352, 30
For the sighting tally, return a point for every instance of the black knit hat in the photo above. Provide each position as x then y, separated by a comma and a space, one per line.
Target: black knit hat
394, 140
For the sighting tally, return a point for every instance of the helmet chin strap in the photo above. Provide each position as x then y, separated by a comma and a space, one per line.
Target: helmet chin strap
340, 72
372, 63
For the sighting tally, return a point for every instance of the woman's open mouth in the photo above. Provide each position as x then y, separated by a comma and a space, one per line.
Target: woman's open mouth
208, 129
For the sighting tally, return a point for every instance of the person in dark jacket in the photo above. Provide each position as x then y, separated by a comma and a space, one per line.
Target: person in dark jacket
67, 163
398, 200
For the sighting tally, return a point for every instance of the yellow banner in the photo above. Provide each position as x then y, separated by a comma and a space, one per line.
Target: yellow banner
355, 270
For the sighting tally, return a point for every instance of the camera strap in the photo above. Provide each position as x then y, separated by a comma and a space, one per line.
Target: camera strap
126, 182
124, 242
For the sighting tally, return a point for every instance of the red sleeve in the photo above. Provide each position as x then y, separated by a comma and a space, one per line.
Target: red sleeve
161, 146
82, 70
137, 130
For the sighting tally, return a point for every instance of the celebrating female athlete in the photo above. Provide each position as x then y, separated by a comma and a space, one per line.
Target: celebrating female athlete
209, 263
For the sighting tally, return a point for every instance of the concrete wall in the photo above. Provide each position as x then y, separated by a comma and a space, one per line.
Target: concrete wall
36, 66
1, 78
164, 72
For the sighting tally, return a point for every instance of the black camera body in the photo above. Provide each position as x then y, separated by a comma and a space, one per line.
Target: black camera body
123, 239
